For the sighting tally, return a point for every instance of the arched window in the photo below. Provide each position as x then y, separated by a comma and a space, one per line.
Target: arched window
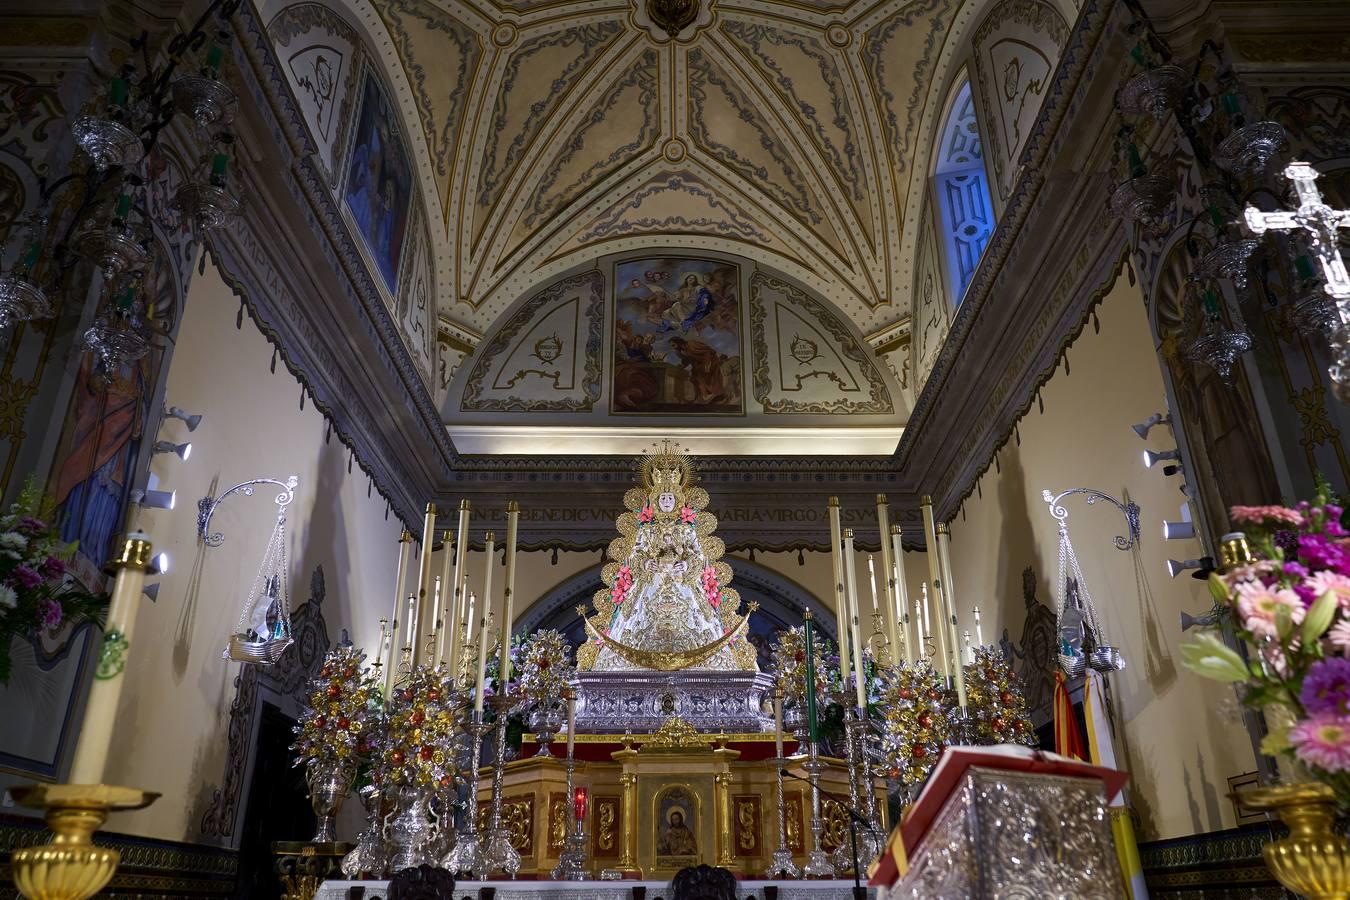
961, 188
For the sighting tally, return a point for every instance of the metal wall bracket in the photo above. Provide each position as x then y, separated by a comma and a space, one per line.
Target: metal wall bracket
1130, 510
206, 507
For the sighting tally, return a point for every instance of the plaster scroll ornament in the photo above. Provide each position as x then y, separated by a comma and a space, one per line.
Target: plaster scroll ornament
672, 20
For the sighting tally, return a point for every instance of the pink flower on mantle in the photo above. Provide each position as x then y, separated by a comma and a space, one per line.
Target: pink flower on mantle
687, 515
645, 514
710, 587
1323, 741
622, 582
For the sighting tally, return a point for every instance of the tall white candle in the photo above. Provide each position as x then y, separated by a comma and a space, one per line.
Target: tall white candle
482, 627
508, 598
396, 618
459, 617
970, 651
943, 664
979, 631
571, 721
410, 635
778, 725
948, 603
837, 566
901, 592
891, 606
445, 634
383, 642
100, 709
925, 621
855, 638
426, 603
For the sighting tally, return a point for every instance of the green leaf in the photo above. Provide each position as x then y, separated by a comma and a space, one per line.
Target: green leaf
1276, 742
1319, 617
1209, 657
1218, 589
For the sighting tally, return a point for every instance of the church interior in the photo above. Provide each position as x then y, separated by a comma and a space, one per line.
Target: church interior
674, 448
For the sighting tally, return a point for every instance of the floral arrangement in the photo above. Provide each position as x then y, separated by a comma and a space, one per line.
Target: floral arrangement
711, 589
36, 592
545, 666
687, 515
623, 582
916, 708
1291, 603
645, 515
341, 722
420, 742
789, 653
995, 701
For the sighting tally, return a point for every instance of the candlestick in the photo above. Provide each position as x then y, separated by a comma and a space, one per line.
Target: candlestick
461, 599
948, 603
891, 610
979, 632
508, 600
482, 628
970, 651
449, 596
571, 720
100, 709
781, 865
837, 564
404, 545
426, 610
900, 591
579, 803
855, 634
379, 650
429, 657
935, 577
778, 725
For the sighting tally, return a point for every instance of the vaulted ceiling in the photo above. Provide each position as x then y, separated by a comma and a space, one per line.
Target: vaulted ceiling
794, 132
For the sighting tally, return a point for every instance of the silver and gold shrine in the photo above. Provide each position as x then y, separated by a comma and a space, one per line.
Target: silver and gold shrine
1010, 835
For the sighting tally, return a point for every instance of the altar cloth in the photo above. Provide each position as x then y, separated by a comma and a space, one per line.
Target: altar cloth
600, 890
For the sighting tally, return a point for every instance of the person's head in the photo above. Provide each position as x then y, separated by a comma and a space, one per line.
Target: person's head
666, 501
690, 280
676, 818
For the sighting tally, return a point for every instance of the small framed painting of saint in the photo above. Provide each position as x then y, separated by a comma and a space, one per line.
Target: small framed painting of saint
676, 828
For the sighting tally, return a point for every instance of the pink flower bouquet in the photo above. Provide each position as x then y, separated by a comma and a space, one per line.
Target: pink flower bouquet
1291, 605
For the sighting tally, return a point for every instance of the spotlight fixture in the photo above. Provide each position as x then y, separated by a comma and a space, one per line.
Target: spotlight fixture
1182, 530
1189, 621
152, 591
182, 451
156, 499
1176, 567
176, 412
1171, 470
160, 563
1143, 428
1152, 457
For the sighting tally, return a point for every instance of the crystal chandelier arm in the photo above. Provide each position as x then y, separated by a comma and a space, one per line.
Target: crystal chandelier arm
206, 507
1130, 510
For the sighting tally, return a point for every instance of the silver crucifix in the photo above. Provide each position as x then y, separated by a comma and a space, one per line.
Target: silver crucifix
1319, 220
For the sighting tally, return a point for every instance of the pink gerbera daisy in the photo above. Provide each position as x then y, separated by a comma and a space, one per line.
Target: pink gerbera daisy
1323, 741
1339, 636
1326, 582
1258, 605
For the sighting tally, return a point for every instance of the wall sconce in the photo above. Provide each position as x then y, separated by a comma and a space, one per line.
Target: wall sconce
151, 591
1175, 567
1178, 531
155, 499
176, 412
1152, 457
160, 563
1189, 621
182, 451
1143, 428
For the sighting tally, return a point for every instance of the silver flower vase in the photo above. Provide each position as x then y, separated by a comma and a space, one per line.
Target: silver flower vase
545, 720
329, 783
369, 856
410, 832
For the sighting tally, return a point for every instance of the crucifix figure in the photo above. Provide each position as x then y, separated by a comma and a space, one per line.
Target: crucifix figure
1319, 220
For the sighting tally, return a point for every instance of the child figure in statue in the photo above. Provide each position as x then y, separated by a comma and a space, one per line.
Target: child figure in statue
667, 605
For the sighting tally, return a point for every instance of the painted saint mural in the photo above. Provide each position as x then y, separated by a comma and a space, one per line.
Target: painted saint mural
677, 337
677, 812
379, 182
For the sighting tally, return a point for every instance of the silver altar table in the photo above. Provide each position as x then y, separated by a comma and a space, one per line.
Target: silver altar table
1004, 834
599, 890
711, 701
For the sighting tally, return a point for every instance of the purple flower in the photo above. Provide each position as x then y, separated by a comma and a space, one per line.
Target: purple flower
31, 525
53, 568
1317, 552
1287, 541
50, 614
1295, 570
1326, 688
27, 576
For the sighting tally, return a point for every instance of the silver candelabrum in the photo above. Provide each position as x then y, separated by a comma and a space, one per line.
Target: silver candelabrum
818, 864
499, 853
572, 861
468, 855
781, 864
861, 792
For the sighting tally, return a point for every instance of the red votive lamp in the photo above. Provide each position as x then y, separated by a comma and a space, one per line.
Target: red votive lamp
579, 803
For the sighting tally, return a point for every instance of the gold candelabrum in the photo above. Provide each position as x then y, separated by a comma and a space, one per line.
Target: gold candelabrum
71, 867
1314, 861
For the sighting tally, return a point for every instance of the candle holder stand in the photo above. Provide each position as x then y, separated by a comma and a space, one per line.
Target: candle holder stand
818, 864
468, 855
781, 864
71, 867
572, 861
499, 853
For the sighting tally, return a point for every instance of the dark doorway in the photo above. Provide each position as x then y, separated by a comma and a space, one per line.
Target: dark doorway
278, 807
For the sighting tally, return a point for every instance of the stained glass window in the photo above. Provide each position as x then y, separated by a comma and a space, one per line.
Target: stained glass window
961, 187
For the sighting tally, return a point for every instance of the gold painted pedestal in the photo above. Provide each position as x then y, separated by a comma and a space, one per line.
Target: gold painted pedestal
1315, 859
71, 867
303, 865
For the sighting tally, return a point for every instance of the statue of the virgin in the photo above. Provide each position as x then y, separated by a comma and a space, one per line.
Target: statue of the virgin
666, 604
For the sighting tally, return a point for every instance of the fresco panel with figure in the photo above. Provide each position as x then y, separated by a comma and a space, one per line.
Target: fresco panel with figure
379, 182
677, 337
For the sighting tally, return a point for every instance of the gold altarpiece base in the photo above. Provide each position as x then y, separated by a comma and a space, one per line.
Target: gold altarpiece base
723, 786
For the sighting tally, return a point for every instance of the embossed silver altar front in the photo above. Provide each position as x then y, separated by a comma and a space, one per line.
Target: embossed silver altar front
615, 702
1017, 835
